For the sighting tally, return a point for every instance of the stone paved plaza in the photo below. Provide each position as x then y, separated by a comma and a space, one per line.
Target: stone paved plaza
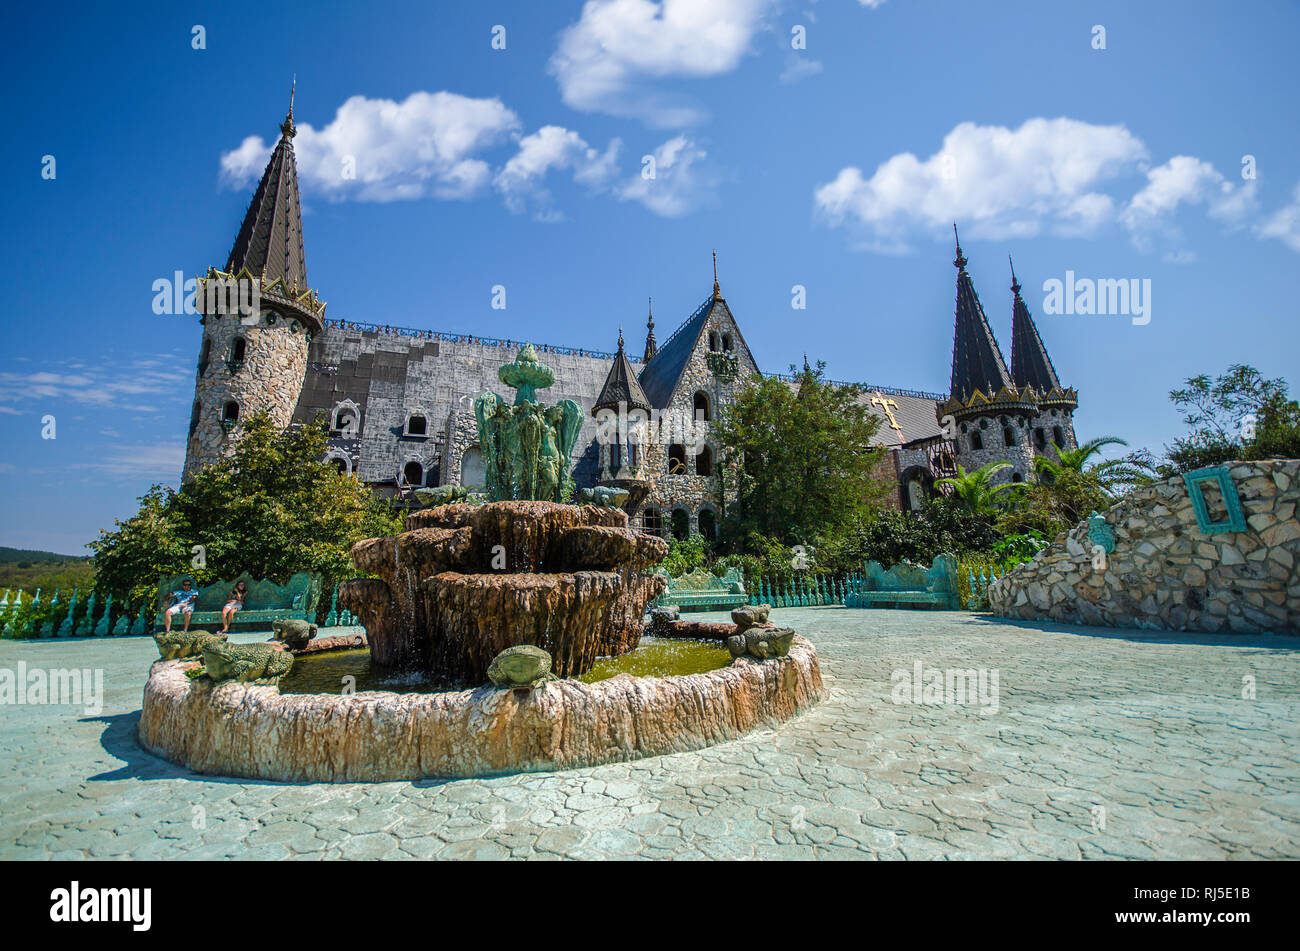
1104, 744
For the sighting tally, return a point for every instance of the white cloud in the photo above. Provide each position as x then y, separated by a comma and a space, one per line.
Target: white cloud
998, 182
681, 182
161, 460
798, 67
381, 150
612, 59
131, 387
1184, 180
521, 180
1284, 224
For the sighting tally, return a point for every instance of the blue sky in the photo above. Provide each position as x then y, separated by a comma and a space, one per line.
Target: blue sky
838, 167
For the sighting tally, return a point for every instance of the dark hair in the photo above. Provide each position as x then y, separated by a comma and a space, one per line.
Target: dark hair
241, 584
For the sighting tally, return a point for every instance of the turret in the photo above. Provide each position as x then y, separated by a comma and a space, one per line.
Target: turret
1031, 369
258, 315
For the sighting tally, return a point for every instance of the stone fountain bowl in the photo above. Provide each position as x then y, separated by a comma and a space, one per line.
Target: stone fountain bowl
235, 729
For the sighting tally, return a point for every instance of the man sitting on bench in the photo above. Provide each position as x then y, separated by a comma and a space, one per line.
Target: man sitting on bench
184, 599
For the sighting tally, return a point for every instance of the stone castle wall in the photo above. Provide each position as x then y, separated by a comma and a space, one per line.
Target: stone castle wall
269, 379
1165, 573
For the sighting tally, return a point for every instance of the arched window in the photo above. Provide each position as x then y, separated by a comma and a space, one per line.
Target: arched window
713, 340
205, 352
702, 406
229, 415
976, 440
652, 522
341, 465
1058, 436
708, 524
704, 462
677, 459
238, 348
1017, 477
346, 418
1008, 436
964, 428
1040, 438
615, 455
726, 342
413, 473
681, 524
984, 424
194, 418
417, 425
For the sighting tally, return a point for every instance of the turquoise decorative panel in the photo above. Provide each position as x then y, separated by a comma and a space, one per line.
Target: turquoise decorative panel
1236, 521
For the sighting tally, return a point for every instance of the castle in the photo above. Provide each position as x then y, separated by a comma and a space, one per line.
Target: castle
399, 402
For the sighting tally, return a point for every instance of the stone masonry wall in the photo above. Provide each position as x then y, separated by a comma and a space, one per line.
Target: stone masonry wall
1165, 573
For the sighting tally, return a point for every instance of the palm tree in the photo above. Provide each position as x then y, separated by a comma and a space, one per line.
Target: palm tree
1109, 475
976, 490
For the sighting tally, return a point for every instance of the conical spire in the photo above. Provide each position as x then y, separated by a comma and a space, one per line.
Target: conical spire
269, 242
1030, 364
651, 348
621, 385
977, 362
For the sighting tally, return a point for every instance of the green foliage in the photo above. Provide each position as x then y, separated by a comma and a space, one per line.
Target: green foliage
30, 570
942, 525
1112, 476
271, 508
1051, 507
1216, 410
1015, 549
686, 556
976, 491
801, 458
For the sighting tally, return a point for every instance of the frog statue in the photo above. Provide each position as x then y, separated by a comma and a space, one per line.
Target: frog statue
176, 644
527, 447
522, 666
246, 663
294, 632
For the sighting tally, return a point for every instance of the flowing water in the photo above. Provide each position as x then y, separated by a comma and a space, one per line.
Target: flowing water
339, 670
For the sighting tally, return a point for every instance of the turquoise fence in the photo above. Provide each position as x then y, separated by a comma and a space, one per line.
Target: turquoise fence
802, 591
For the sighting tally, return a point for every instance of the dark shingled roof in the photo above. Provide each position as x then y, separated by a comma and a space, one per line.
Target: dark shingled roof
1030, 364
621, 385
269, 243
977, 362
660, 375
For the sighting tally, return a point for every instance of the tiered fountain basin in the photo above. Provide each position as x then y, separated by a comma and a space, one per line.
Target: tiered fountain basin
234, 729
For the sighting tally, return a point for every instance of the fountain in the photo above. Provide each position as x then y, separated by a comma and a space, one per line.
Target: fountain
519, 599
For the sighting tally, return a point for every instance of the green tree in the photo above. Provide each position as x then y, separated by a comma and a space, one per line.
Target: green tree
1111, 475
976, 491
1237, 415
271, 508
801, 456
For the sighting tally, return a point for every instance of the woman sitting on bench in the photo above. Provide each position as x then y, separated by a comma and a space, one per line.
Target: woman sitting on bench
232, 606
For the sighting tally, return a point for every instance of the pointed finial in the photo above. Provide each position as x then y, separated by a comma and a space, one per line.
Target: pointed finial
960, 262
806, 367
717, 291
287, 126
620, 339
1015, 285
650, 306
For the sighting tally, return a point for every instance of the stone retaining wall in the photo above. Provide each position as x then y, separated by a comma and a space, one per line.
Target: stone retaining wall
1165, 572
239, 730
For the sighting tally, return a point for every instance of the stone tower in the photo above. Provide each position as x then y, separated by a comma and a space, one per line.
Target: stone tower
990, 416
1031, 369
258, 316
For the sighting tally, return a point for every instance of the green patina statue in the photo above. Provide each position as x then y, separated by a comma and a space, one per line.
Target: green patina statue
605, 495
763, 643
527, 447
246, 663
177, 644
522, 666
293, 632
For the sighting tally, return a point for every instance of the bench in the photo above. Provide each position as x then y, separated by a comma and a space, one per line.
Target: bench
908, 585
266, 601
700, 590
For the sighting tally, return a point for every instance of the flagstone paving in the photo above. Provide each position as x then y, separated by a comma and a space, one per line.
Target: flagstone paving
1103, 744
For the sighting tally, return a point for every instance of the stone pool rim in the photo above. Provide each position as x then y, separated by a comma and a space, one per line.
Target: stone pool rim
256, 732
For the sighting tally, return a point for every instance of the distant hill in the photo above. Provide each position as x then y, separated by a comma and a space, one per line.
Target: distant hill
29, 570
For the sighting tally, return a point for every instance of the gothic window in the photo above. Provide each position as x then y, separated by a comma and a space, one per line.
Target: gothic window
205, 352
417, 425
713, 340
704, 462
702, 406
229, 415
708, 524
615, 455
726, 343
677, 459
1009, 436
681, 524
1058, 436
976, 440
194, 418
964, 428
1040, 438
345, 419
413, 473
652, 522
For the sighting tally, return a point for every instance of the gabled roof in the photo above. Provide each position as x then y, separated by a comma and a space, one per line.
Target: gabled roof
660, 375
977, 362
269, 243
1030, 364
621, 384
